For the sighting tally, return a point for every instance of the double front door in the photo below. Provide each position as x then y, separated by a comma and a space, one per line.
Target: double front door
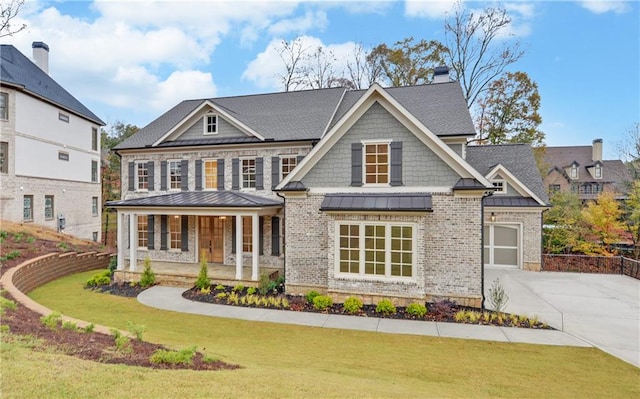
211, 237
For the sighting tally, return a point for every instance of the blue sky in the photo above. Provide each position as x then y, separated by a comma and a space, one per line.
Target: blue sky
131, 61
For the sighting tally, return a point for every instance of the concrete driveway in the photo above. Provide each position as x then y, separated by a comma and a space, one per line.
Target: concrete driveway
601, 309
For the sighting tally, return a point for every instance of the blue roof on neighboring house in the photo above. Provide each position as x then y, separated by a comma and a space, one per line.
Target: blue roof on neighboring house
19, 71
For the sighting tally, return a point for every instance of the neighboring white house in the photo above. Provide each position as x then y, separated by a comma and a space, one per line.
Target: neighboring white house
49, 149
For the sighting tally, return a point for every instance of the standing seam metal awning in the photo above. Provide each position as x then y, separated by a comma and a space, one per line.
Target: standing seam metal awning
401, 202
199, 199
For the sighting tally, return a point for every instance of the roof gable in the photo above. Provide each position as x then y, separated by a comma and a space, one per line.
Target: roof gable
521, 188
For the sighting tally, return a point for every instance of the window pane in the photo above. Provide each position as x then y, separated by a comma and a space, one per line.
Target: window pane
368, 268
395, 270
211, 174
505, 256
505, 236
344, 229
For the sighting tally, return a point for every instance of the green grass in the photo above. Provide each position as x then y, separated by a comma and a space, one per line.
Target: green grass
294, 361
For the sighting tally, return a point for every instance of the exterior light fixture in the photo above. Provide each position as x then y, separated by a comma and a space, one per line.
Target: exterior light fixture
493, 217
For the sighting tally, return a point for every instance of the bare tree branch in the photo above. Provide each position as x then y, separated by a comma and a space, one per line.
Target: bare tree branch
8, 11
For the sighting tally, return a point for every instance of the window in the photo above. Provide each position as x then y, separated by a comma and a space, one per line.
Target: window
94, 138
211, 124
247, 236
598, 172
376, 162
48, 207
175, 232
143, 231
63, 156
210, 174
142, 176
94, 206
95, 236
287, 165
248, 173
4, 106
27, 208
574, 172
175, 174
554, 188
94, 171
597, 188
4, 157
63, 117
499, 186
384, 250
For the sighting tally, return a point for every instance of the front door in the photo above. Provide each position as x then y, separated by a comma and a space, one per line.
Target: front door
211, 237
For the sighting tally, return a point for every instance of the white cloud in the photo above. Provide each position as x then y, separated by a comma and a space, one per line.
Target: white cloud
601, 7
309, 20
433, 9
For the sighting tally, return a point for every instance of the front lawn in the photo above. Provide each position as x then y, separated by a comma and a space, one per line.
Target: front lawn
292, 361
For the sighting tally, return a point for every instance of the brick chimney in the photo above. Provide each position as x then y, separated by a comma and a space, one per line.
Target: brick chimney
596, 150
441, 74
41, 55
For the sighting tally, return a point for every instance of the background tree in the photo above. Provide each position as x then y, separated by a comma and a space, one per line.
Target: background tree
564, 224
9, 9
471, 49
629, 150
508, 111
361, 71
408, 62
631, 218
603, 217
318, 70
292, 53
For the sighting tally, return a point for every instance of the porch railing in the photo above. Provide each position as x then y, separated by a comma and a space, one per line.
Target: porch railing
591, 264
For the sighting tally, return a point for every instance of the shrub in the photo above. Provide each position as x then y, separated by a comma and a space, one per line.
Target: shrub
310, 296
69, 325
352, 305
497, 297
264, 284
136, 329
442, 309
221, 295
322, 302
386, 307
460, 316
102, 278
12, 255
17, 237
238, 288
233, 298
121, 341
6, 304
251, 290
220, 287
63, 246
148, 278
163, 356
205, 291
203, 276
113, 265
52, 320
89, 328
417, 310
208, 359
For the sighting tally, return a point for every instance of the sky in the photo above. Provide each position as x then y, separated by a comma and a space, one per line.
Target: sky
131, 61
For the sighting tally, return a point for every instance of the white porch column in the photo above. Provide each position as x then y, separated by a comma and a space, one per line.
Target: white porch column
255, 246
238, 247
133, 241
120, 239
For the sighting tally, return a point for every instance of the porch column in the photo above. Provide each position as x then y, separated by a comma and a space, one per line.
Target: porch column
255, 246
133, 241
238, 247
120, 239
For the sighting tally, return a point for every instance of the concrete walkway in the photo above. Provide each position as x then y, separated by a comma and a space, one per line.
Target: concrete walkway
170, 298
601, 309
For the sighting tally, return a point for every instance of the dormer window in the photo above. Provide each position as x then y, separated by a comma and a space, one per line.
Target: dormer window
597, 172
573, 173
499, 186
211, 124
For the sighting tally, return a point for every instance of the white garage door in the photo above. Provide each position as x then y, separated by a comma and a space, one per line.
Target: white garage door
502, 246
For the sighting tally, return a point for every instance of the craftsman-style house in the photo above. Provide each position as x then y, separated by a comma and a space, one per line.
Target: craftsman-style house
371, 192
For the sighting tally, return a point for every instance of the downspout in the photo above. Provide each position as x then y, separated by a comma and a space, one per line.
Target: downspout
542, 239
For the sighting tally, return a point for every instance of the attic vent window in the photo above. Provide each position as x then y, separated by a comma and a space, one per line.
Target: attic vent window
598, 172
211, 124
63, 117
499, 186
574, 172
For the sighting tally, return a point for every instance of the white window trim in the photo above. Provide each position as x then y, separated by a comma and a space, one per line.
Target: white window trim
364, 162
205, 130
6, 105
142, 248
597, 172
489, 243
169, 161
371, 277
97, 213
241, 173
179, 230
503, 190
204, 174
295, 157
573, 172
97, 179
136, 177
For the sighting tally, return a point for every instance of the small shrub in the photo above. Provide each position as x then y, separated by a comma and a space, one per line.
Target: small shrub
233, 298
442, 309
12, 255
136, 329
113, 265
17, 237
208, 359
63, 246
52, 320
417, 310
203, 276
322, 302
238, 288
473, 316
69, 325
497, 297
220, 287
221, 295
89, 328
30, 239
4, 235
6, 304
352, 305
285, 303
264, 284
103, 278
163, 356
148, 278
460, 316
205, 291
386, 307
251, 290
121, 341
310, 296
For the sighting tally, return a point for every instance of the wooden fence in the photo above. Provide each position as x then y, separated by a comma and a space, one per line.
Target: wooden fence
591, 264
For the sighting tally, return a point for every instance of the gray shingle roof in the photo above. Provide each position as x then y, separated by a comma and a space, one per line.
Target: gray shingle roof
305, 115
190, 199
18, 70
517, 158
408, 202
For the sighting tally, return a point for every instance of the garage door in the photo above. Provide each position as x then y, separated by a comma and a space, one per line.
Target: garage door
502, 246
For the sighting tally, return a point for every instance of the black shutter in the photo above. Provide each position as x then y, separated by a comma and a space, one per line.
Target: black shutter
221, 174
356, 164
396, 163
198, 174
275, 171
151, 232
132, 179
235, 174
261, 234
163, 232
275, 236
184, 175
152, 174
259, 174
233, 234
184, 233
163, 176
